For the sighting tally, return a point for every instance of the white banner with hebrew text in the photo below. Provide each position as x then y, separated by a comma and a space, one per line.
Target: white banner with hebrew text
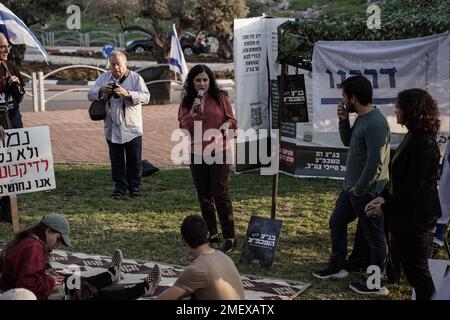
391, 66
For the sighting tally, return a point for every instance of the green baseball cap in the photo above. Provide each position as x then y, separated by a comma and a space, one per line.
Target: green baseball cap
59, 223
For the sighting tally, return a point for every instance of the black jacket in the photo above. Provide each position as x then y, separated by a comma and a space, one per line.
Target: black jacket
414, 205
14, 114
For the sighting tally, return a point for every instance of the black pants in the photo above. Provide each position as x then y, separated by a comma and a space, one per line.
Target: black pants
126, 164
14, 121
103, 280
414, 250
211, 182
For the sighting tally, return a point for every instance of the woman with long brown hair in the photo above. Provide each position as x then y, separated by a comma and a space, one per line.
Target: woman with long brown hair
410, 200
207, 106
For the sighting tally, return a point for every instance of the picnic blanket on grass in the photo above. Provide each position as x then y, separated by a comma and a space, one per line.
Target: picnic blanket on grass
135, 271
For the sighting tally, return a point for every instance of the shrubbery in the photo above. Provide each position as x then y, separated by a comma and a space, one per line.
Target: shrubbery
400, 19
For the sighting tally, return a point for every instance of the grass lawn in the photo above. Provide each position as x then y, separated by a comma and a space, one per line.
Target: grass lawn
148, 228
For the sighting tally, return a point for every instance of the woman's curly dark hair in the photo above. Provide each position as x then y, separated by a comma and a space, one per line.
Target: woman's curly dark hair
189, 92
419, 111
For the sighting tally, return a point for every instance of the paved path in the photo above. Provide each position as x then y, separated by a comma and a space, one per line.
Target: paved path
75, 138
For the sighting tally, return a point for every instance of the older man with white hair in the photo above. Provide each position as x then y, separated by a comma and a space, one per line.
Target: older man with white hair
125, 92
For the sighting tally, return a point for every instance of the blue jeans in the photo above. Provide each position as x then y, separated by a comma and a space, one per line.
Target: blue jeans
126, 164
348, 208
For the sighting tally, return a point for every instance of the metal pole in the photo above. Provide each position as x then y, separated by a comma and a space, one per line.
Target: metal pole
41, 91
275, 179
34, 87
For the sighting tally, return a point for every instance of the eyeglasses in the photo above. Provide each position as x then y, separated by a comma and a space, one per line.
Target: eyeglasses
3, 48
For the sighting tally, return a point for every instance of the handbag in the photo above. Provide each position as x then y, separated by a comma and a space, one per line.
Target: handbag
148, 169
97, 110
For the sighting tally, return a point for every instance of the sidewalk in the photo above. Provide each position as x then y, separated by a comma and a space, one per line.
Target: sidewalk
77, 139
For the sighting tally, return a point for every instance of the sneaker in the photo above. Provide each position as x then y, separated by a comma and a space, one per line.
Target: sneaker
116, 266
152, 280
135, 195
117, 195
229, 246
214, 238
361, 287
330, 272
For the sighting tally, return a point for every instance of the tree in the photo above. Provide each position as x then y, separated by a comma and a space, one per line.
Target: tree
160, 14
257, 7
214, 16
33, 12
217, 17
400, 19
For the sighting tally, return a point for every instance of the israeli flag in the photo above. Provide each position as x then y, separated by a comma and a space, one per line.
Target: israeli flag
17, 32
176, 59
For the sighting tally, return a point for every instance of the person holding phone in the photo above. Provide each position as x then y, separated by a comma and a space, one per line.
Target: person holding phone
365, 176
410, 200
208, 107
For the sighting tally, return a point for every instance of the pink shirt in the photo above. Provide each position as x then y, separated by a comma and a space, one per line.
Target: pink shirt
212, 117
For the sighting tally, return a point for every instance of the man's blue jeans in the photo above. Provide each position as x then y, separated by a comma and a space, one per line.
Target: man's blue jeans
126, 164
348, 208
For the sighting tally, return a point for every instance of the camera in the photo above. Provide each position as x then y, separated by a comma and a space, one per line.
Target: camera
114, 86
16, 89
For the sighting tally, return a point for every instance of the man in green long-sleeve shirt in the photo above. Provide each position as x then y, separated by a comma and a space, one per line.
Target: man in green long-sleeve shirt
366, 176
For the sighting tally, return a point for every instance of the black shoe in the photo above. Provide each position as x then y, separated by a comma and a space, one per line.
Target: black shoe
214, 238
117, 195
330, 272
135, 194
361, 288
229, 246
7, 219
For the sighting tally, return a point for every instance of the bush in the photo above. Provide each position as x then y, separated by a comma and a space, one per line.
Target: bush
400, 19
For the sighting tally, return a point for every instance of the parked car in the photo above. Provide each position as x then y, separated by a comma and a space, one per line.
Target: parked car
190, 43
139, 45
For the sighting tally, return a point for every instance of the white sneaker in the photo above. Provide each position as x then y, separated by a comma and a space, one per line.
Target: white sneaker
116, 266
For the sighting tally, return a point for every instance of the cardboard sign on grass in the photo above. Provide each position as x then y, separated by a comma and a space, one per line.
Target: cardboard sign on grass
261, 241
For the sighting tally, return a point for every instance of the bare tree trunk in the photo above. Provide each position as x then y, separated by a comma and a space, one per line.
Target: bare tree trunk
225, 50
160, 50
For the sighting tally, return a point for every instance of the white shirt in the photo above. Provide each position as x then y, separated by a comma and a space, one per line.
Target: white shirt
122, 126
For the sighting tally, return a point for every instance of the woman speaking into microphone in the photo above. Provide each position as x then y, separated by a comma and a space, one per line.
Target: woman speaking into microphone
204, 104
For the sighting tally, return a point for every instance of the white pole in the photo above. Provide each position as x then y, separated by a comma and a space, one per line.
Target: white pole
34, 87
41, 90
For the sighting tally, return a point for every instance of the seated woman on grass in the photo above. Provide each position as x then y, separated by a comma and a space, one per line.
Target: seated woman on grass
24, 261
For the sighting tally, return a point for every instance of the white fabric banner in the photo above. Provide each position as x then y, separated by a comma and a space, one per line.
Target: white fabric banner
26, 161
391, 66
250, 56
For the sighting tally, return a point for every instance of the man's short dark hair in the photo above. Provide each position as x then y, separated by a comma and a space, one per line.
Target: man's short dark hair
194, 231
360, 87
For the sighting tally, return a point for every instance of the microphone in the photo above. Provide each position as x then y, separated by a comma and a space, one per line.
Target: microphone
200, 95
